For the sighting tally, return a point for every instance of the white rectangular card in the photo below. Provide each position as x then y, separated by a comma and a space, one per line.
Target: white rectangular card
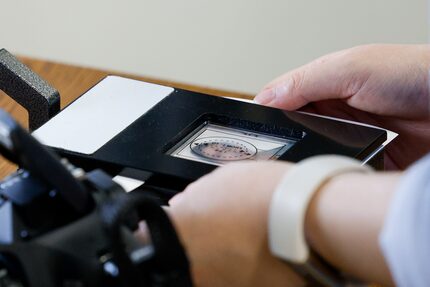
100, 114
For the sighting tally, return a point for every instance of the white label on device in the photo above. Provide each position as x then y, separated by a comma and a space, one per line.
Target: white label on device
100, 114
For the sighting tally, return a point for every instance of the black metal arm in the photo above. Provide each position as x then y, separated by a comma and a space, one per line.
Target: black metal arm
28, 89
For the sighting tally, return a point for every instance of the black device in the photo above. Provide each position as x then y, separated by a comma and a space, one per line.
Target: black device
169, 137
61, 226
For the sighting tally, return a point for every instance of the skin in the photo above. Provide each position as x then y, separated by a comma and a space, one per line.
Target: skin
344, 221
222, 218
384, 85
223, 227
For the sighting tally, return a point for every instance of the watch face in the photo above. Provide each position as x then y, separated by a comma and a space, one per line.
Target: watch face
224, 149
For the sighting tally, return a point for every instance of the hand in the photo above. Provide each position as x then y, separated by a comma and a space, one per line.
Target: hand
384, 85
222, 221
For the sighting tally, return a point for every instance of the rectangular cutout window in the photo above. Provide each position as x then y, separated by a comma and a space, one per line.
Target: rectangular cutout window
217, 144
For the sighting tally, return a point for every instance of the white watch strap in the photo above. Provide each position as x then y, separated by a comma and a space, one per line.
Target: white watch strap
292, 197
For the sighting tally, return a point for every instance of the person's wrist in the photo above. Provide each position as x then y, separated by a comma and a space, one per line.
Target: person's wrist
315, 214
291, 199
288, 210
348, 209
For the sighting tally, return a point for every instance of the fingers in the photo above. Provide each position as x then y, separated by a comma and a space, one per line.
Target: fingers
329, 77
285, 92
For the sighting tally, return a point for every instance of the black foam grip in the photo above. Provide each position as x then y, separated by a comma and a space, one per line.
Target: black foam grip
28, 89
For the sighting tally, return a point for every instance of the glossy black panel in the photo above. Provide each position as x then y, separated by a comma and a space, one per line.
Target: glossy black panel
143, 144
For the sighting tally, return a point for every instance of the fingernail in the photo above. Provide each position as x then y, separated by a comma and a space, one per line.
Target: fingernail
281, 90
264, 97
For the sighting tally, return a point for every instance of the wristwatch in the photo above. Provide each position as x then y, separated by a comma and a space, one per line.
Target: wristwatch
287, 213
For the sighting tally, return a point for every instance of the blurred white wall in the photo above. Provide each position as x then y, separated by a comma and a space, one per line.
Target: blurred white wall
231, 44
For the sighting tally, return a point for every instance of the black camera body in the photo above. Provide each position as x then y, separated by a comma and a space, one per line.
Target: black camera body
46, 242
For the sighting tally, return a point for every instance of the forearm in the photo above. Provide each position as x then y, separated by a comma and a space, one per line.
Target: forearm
344, 220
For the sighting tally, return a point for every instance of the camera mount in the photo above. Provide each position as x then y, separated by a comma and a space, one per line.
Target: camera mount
61, 226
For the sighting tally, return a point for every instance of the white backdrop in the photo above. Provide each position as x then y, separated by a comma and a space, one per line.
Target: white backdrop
231, 44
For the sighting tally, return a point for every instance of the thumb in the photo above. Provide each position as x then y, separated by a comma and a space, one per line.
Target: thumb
323, 79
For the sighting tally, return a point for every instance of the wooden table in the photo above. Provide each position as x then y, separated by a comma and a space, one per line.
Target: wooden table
73, 81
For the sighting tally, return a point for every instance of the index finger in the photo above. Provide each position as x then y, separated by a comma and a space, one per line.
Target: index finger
329, 77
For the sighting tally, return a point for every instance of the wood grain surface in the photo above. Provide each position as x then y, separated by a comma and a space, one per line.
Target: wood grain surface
72, 81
